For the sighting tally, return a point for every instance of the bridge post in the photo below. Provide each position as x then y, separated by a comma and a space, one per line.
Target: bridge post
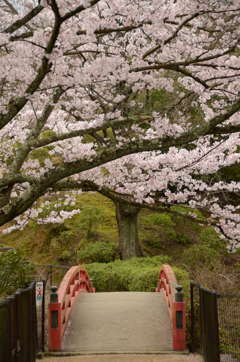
179, 321
55, 322
91, 288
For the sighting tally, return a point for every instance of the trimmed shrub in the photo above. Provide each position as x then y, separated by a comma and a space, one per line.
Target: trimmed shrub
100, 252
144, 280
136, 274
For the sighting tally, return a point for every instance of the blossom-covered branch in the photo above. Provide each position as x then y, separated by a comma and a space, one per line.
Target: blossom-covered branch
140, 97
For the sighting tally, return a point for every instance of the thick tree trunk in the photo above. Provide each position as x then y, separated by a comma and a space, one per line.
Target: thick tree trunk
127, 219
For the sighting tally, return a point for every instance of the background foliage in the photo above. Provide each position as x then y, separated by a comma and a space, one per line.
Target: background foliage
196, 249
15, 271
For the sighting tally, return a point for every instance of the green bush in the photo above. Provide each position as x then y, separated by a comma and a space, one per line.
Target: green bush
162, 219
144, 280
200, 255
211, 238
153, 243
89, 220
97, 252
136, 274
206, 254
113, 277
170, 234
183, 239
15, 272
66, 256
67, 236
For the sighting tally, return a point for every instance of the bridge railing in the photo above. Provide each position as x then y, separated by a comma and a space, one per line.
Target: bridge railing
75, 281
167, 284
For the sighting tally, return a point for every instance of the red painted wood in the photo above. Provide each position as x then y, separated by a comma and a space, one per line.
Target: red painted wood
75, 281
179, 334
54, 335
166, 284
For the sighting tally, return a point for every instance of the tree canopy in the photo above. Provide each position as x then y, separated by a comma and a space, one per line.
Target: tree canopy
140, 98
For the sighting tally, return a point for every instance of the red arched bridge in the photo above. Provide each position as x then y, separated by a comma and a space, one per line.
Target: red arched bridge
81, 320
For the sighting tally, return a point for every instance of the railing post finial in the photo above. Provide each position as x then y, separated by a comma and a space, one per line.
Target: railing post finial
54, 295
179, 293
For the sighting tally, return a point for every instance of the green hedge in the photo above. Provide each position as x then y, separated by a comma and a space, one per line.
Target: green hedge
136, 274
100, 252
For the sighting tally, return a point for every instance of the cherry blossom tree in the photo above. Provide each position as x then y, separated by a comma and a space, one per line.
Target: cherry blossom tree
137, 99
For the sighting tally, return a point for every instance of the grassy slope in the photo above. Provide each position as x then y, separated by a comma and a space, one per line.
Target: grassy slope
159, 234
48, 243
195, 248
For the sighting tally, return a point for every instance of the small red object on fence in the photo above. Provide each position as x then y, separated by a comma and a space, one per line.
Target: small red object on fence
167, 283
75, 281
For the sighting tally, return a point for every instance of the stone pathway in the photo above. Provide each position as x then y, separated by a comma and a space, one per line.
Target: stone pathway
120, 322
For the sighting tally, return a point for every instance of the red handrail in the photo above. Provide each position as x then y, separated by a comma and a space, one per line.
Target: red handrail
167, 284
75, 281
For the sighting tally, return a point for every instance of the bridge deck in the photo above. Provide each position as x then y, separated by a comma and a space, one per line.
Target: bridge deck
120, 322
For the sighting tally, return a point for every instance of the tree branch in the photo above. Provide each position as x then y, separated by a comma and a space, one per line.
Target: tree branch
21, 22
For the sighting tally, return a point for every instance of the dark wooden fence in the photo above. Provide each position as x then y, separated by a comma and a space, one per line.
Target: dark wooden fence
215, 325
18, 326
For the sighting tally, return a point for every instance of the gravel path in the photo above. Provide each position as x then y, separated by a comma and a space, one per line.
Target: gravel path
127, 358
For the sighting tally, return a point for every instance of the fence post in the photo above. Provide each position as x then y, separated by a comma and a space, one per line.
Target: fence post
179, 321
33, 323
43, 319
26, 332
55, 322
194, 317
209, 325
12, 326
5, 332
